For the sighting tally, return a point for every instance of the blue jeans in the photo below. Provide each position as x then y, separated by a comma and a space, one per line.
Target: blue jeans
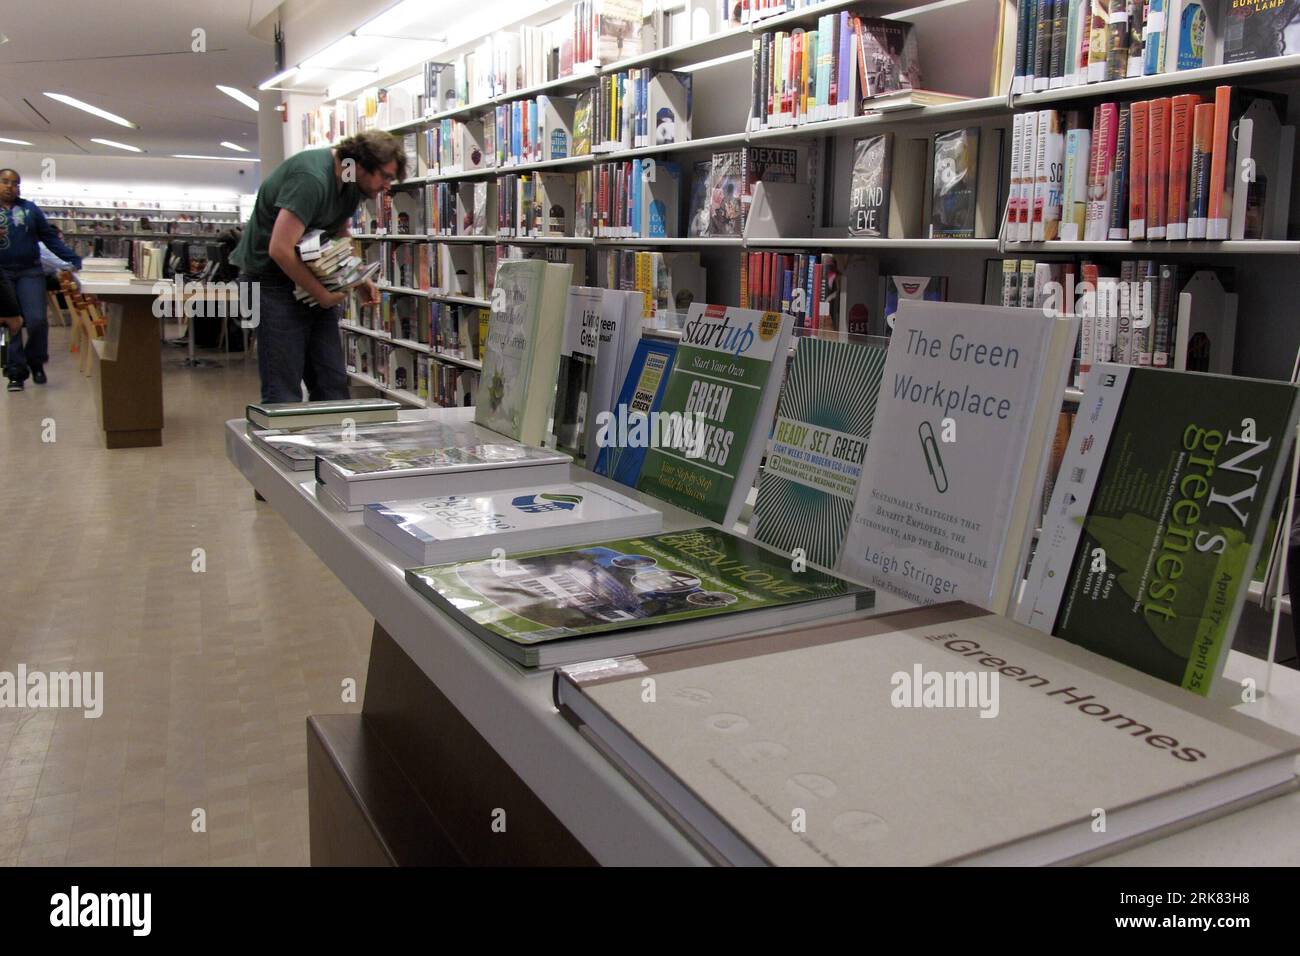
297, 344
30, 348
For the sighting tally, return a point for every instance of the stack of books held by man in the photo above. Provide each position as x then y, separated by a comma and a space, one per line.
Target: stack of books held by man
333, 263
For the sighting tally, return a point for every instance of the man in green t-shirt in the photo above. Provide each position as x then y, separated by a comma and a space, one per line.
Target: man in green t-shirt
298, 343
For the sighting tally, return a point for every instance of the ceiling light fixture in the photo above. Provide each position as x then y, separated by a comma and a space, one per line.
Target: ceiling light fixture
394, 21
102, 114
239, 95
235, 146
116, 145
233, 159
340, 51
16, 142
279, 78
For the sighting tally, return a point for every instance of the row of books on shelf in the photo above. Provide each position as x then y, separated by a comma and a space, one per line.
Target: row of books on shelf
832, 71
455, 330
628, 110
590, 34
1160, 315
1181, 167
421, 376
1062, 43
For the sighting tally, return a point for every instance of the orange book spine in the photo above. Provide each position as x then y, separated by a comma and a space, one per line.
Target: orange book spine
1158, 168
1180, 161
1220, 207
1137, 170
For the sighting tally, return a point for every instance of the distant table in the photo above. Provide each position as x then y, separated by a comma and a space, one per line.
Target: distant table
128, 361
128, 365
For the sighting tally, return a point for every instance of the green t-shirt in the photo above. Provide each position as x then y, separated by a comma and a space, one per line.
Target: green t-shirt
305, 185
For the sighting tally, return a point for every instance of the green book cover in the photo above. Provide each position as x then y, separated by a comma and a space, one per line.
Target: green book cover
814, 460
703, 450
546, 595
512, 336
1157, 517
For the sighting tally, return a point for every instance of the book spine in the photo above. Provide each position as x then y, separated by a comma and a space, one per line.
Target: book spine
1030, 20
1087, 323
1027, 267
1054, 200
1028, 154
1117, 40
1219, 209
1180, 159
1199, 184
1144, 312
1056, 59
1075, 188
1017, 176
1158, 168
1097, 40
1137, 172
1166, 293
1124, 314
1118, 225
1010, 283
1098, 165
1043, 44
846, 99
1022, 30
1042, 121
1153, 37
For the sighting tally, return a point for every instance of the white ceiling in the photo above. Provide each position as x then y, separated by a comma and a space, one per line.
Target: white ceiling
133, 58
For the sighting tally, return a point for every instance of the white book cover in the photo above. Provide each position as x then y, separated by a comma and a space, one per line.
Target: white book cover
957, 451
619, 331
471, 526
833, 719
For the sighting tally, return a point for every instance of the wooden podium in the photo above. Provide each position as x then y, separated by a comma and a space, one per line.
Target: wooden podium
128, 366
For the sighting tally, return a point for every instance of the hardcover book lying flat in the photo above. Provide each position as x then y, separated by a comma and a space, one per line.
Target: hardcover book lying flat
832, 744
468, 526
296, 414
474, 461
546, 608
297, 448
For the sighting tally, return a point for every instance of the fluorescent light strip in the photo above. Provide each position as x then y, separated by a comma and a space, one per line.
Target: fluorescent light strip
235, 146
278, 78
16, 142
239, 95
102, 114
233, 159
116, 145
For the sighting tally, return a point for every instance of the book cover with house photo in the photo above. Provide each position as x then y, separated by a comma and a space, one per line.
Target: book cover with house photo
556, 606
887, 56
952, 197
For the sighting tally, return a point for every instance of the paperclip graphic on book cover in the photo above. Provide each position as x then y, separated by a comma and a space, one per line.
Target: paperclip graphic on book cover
933, 460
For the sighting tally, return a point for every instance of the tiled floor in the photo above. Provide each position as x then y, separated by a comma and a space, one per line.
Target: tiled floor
208, 675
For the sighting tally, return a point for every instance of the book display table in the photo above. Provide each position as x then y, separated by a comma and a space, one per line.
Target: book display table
460, 756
